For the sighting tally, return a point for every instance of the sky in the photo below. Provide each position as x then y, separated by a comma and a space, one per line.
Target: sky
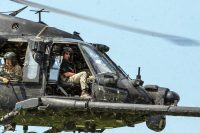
162, 62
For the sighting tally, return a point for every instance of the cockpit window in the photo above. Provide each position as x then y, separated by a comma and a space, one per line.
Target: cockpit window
1, 61
98, 61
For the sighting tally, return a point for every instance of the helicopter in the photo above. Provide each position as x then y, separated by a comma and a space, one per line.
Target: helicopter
116, 99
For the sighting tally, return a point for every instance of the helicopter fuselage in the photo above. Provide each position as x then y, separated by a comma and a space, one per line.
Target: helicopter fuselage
39, 49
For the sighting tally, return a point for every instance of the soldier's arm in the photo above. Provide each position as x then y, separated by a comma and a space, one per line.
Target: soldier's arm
18, 70
3, 73
17, 75
68, 74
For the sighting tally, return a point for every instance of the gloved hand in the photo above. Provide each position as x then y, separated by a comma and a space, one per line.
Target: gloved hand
90, 79
5, 80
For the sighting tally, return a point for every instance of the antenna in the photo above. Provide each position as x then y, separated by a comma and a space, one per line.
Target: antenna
39, 13
138, 81
138, 75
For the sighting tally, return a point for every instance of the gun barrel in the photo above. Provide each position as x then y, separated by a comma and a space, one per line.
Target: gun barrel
122, 107
184, 111
148, 109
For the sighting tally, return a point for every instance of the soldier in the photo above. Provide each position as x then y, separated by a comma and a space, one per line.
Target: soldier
10, 70
67, 73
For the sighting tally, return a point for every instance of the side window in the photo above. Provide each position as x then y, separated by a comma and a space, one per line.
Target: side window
1, 63
54, 68
31, 69
1, 60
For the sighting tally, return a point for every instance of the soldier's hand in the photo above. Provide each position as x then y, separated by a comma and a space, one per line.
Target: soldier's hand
90, 79
5, 80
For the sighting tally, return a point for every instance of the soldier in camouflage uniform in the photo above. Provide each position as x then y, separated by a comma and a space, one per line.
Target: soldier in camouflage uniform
10, 70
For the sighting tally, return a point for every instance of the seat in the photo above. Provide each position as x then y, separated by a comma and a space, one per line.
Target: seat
69, 88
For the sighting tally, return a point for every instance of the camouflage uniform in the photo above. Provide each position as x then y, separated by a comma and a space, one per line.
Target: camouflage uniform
14, 73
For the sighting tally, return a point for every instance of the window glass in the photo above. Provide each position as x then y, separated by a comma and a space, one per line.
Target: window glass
31, 68
98, 61
1, 61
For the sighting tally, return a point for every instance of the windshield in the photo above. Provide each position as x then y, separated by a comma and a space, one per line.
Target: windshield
98, 61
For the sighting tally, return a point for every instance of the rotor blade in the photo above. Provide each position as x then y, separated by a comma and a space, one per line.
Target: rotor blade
7, 12
14, 13
179, 40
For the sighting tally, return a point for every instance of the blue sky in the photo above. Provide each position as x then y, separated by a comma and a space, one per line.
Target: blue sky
162, 62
